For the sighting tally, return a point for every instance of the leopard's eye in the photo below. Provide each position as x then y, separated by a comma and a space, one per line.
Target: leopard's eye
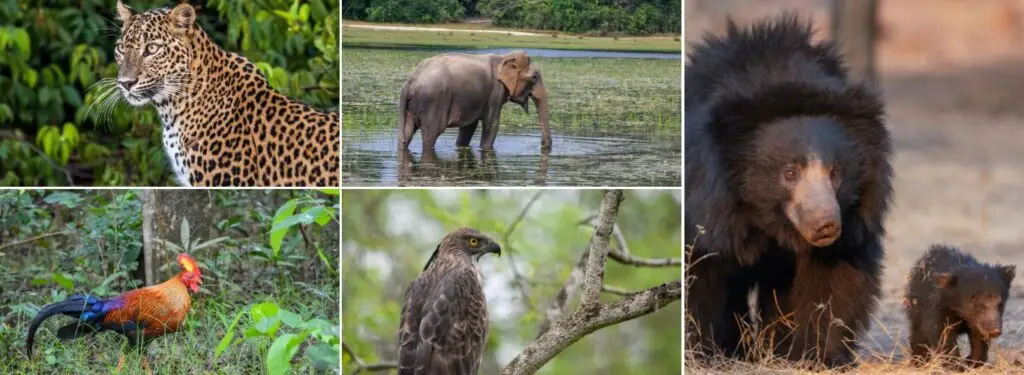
151, 49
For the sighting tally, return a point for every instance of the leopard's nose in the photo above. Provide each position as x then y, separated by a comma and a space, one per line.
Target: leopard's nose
127, 83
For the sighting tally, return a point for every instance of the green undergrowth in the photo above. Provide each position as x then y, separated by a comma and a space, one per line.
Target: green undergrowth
637, 97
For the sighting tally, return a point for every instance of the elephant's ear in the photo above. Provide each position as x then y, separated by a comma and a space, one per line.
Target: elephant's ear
510, 72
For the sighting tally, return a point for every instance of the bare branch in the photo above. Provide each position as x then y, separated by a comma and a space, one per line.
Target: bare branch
644, 262
590, 294
516, 276
556, 310
33, 239
611, 289
584, 321
362, 366
622, 254
621, 240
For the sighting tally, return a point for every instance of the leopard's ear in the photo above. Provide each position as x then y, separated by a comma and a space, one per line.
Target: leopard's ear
182, 17
124, 12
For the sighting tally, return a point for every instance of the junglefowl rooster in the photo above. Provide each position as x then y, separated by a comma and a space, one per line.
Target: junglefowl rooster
140, 315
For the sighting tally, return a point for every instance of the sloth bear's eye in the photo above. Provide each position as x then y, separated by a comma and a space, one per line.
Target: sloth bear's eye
791, 174
834, 172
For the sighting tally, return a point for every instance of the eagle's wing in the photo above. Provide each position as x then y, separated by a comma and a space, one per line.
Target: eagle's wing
435, 336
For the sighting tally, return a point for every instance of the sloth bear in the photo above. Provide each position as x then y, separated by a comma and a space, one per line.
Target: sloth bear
950, 293
788, 180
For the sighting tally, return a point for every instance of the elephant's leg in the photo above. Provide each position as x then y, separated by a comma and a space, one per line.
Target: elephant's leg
490, 130
466, 134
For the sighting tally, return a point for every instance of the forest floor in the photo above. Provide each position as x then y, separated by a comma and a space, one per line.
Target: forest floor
366, 34
191, 350
952, 86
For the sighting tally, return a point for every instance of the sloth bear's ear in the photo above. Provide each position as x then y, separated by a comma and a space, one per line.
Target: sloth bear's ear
731, 30
1008, 273
945, 280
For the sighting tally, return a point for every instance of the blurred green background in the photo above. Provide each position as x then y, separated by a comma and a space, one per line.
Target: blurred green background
53, 51
389, 234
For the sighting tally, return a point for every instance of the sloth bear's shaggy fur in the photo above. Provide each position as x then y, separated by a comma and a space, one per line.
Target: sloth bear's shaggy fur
788, 178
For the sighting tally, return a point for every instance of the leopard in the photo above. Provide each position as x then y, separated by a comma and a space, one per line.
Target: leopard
222, 122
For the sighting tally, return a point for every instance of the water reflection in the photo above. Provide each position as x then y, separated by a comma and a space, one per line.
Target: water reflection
372, 158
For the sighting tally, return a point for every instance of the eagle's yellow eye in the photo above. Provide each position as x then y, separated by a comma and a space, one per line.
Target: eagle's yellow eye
474, 242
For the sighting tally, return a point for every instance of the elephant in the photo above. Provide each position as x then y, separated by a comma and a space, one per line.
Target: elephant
458, 90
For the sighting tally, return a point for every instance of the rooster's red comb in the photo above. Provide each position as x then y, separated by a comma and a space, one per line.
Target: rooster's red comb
188, 263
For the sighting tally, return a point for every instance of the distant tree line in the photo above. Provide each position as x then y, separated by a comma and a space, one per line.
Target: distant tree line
635, 17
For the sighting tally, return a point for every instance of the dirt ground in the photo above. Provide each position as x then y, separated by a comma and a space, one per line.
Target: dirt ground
953, 77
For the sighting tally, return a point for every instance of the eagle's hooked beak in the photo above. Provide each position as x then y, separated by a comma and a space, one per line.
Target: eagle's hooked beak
492, 248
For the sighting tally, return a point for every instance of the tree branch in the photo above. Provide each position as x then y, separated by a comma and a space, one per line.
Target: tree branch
33, 239
644, 262
591, 315
590, 295
516, 276
622, 255
583, 322
556, 309
611, 289
362, 366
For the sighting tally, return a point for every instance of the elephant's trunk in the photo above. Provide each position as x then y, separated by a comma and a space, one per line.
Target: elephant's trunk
540, 99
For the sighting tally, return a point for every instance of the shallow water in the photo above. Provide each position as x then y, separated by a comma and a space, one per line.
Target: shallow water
550, 53
371, 158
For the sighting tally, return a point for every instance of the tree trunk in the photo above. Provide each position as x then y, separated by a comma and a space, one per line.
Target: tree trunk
162, 214
855, 28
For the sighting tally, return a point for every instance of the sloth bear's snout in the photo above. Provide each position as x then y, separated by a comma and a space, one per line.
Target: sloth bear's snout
814, 210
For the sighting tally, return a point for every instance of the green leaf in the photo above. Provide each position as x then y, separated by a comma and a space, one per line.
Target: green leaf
291, 319
277, 233
210, 243
331, 192
324, 357
69, 135
323, 257
285, 15
64, 281
63, 198
263, 310
170, 245
21, 41
31, 77
279, 357
230, 335
184, 232
72, 96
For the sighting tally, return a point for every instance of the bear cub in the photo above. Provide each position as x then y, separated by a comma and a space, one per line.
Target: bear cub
950, 293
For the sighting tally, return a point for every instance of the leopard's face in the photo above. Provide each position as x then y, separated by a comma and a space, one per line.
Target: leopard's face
153, 56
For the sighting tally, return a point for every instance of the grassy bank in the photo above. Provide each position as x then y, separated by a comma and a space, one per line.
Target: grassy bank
621, 96
478, 36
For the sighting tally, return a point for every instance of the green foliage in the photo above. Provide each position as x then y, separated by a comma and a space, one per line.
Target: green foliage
389, 234
633, 17
57, 243
267, 319
55, 128
419, 11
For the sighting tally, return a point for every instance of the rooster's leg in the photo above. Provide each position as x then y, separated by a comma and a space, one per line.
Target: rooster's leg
120, 362
145, 365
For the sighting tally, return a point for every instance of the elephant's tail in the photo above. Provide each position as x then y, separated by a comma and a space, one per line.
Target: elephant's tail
405, 120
